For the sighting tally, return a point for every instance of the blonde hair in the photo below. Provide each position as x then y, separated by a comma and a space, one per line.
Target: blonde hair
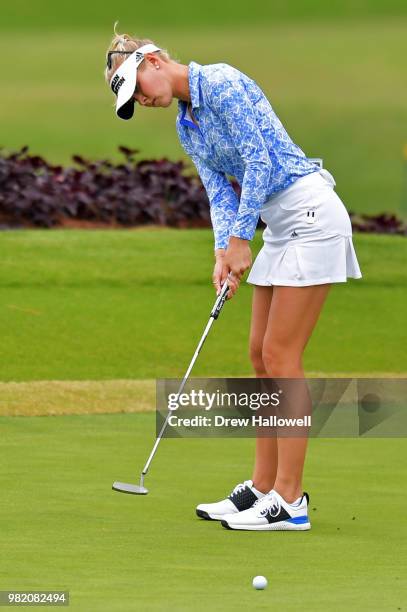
125, 42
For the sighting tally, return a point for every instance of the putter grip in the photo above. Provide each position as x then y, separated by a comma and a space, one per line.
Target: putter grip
220, 301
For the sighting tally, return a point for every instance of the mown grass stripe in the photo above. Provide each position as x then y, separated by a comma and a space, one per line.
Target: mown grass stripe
57, 397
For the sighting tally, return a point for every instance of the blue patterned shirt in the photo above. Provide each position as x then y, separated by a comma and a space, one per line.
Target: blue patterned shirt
238, 135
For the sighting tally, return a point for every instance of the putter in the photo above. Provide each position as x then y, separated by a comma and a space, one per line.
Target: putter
133, 489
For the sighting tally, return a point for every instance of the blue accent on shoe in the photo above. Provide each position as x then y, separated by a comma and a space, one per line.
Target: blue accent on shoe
298, 520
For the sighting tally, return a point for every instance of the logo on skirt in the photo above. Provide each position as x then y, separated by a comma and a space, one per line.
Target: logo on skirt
310, 216
294, 234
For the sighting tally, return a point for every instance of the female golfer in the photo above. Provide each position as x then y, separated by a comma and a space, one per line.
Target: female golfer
227, 126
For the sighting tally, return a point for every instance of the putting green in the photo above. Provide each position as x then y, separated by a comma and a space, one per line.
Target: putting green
63, 527
75, 307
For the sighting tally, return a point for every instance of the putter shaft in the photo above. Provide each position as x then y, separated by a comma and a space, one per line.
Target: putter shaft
140, 489
214, 315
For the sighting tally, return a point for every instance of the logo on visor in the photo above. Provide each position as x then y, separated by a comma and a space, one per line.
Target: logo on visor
139, 56
117, 83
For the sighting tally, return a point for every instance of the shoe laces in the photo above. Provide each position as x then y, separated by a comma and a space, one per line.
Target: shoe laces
240, 487
262, 499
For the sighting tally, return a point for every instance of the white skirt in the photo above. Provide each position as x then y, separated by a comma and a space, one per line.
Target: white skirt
308, 238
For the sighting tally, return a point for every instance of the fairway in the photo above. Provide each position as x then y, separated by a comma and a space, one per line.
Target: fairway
132, 304
338, 88
63, 527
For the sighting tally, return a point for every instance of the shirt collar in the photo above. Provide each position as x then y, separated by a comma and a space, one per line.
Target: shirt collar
193, 79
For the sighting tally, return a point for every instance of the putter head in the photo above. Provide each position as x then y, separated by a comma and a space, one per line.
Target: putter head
124, 487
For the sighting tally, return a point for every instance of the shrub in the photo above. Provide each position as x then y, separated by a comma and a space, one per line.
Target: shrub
34, 193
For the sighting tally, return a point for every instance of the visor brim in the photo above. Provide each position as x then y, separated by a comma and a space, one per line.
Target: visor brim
123, 82
126, 110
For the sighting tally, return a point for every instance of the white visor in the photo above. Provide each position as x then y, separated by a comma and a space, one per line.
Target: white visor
123, 82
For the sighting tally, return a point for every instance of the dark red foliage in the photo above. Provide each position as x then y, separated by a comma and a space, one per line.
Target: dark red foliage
383, 223
34, 193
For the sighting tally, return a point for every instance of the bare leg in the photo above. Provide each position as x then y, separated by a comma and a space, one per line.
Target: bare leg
293, 314
265, 468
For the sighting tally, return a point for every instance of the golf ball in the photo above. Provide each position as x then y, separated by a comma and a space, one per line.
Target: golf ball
259, 582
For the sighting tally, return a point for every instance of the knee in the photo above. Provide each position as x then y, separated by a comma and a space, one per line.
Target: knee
281, 362
255, 354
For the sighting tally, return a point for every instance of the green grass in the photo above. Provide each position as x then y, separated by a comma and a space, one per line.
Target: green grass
338, 86
63, 528
108, 305
117, 304
73, 14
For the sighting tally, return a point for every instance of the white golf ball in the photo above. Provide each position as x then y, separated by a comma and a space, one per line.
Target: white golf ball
259, 582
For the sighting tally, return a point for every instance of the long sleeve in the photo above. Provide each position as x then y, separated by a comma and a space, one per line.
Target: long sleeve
232, 104
223, 201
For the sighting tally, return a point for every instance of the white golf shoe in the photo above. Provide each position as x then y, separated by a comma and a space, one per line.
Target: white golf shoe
271, 513
243, 496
